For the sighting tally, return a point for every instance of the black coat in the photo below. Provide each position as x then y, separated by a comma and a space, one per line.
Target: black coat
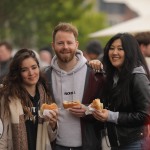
133, 116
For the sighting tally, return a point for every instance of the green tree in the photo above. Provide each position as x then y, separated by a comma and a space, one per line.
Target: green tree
29, 23
90, 22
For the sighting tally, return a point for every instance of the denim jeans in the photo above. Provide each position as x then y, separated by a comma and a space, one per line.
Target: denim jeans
137, 145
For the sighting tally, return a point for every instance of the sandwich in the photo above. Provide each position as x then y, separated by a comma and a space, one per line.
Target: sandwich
96, 104
52, 106
70, 104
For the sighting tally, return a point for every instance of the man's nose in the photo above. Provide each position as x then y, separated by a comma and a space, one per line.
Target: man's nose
65, 45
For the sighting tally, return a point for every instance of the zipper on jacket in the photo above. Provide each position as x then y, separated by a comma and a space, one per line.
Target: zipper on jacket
118, 142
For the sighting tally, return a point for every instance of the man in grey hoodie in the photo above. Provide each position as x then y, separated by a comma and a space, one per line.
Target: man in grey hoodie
70, 78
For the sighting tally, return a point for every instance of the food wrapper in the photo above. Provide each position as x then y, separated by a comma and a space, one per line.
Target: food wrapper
89, 110
46, 112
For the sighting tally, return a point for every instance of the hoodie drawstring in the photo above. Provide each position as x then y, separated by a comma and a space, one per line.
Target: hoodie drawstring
61, 86
73, 86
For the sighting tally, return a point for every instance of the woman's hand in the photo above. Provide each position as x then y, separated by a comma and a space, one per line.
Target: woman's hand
96, 65
101, 115
52, 118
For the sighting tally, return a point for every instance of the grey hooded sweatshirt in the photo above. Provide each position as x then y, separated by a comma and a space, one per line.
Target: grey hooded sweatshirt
69, 86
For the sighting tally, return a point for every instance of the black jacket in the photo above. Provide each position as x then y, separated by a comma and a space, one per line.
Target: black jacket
133, 116
91, 137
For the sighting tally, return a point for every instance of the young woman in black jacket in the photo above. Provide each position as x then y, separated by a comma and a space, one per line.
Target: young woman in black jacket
126, 94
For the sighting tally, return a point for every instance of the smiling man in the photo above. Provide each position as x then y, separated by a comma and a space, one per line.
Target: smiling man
71, 79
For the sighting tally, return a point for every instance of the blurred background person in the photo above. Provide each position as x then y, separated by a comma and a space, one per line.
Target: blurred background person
46, 54
93, 50
143, 39
5, 58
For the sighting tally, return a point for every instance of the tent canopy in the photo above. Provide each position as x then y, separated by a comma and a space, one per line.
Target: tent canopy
139, 24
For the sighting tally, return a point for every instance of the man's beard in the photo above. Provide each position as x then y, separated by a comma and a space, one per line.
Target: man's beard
66, 59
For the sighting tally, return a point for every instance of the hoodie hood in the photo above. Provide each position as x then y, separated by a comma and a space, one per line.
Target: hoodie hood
81, 62
139, 70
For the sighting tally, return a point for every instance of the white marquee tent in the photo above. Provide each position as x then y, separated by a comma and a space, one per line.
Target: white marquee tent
139, 24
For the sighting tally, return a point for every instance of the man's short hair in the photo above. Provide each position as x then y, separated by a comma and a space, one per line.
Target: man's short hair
143, 38
7, 45
66, 27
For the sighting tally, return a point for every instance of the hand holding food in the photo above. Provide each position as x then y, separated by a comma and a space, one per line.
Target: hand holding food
75, 107
96, 104
50, 113
101, 115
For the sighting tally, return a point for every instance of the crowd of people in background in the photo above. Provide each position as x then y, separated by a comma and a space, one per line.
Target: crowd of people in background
61, 72
143, 39
5, 58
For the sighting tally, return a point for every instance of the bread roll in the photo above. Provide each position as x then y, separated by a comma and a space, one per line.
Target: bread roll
97, 104
70, 104
50, 107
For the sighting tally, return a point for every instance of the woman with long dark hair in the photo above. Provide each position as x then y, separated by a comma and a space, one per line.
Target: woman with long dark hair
126, 93
24, 91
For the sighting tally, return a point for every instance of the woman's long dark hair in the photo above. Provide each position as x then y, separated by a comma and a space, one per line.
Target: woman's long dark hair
12, 84
133, 58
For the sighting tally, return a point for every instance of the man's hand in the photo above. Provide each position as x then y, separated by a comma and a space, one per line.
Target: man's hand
78, 111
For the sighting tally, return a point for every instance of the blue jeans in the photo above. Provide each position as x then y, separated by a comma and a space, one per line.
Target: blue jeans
137, 145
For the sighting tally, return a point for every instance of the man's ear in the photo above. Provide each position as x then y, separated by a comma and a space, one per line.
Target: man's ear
52, 44
77, 44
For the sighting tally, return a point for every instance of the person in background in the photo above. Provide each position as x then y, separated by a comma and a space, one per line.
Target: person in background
93, 50
69, 79
5, 59
143, 39
24, 91
46, 55
126, 94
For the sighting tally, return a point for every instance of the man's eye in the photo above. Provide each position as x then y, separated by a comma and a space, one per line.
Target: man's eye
60, 43
69, 43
